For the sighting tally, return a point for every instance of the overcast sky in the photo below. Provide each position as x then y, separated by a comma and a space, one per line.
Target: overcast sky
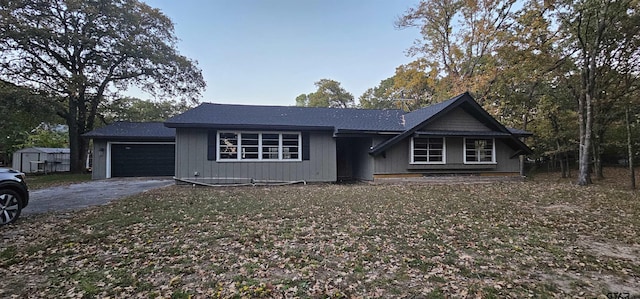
268, 52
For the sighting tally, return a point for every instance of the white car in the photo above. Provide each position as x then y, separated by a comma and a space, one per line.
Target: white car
14, 195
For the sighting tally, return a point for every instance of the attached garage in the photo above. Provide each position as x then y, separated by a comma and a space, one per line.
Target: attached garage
142, 159
130, 149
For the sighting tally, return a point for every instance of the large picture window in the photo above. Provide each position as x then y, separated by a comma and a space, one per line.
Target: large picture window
427, 150
479, 150
256, 146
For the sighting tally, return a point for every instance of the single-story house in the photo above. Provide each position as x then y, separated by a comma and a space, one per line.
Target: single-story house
222, 143
133, 149
42, 160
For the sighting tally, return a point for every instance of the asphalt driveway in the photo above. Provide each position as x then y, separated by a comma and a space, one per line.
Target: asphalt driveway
93, 193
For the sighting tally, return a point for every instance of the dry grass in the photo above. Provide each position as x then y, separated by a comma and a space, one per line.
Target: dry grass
40, 181
539, 238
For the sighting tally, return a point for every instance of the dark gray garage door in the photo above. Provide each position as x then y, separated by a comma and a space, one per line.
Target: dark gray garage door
128, 160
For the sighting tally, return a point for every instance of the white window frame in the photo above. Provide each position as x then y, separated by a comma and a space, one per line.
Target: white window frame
444, 152
493, 151
260, 158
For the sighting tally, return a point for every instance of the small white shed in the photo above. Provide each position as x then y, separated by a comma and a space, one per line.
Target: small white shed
42, 160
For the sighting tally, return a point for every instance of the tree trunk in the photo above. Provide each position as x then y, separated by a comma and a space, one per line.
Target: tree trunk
74, 145
585, 114
561, 157
568, 164
597, 158
585, 120
525, 122
77, 145
632, 173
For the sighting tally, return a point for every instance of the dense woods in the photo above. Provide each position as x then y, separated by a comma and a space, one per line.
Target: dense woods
565, 70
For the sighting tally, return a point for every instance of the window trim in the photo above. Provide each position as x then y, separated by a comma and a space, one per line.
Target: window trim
444, 152
493, 151
260, 152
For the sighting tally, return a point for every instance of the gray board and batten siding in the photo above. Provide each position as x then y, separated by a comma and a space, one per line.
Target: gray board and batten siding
99, 161
396, 159
193, 161
456, 120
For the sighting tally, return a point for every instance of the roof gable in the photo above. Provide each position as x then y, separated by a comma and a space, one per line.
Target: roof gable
415, 118
457, 120
423, 117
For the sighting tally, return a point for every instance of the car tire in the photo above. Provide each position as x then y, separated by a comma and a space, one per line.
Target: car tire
10, 206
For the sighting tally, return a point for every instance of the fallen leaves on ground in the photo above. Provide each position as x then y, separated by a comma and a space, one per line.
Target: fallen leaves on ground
512, 240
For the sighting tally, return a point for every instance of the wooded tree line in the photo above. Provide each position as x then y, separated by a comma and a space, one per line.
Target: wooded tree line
566, 70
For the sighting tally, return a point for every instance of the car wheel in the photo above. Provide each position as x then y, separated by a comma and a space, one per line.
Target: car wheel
9, 206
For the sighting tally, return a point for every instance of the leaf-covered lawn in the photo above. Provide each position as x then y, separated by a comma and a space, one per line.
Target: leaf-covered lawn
40, 181
517, 239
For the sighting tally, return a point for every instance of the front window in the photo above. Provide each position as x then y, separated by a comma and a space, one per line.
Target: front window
427, 150
228, 145
479, 150
252, 146
290, 146
270, 146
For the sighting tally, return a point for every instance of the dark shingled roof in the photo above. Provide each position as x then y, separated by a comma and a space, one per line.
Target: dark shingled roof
134, 131
520, 133
416, 117
283, 117
338, 120
462, 133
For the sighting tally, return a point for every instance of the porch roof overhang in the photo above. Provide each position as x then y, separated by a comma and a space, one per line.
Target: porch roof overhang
362, 133
491, 134
255, 127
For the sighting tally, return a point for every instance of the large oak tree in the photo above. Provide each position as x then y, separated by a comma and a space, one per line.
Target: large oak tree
85, 51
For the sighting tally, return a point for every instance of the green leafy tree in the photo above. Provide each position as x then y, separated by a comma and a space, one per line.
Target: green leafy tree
528, 66
379, 97
137, 110
459, 41
599, 36
82, 52
408, 89
328, 94
47, 135
24, 110
412, 86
